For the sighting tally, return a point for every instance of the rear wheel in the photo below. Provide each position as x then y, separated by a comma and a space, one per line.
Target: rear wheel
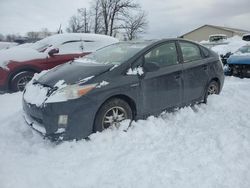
20, 80
212, 89
112, 113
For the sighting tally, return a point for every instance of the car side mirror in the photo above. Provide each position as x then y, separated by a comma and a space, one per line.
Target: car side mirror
151, 66
53, 51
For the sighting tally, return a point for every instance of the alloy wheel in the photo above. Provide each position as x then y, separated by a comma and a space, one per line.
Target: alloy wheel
21, 83
114, 116
213, 88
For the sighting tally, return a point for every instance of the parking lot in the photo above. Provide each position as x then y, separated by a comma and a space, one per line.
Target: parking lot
206, 145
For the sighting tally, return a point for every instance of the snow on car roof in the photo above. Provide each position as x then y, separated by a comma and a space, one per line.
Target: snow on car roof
5, 45
61, 38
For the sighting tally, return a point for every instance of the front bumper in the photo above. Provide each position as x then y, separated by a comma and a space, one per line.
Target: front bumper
80, 112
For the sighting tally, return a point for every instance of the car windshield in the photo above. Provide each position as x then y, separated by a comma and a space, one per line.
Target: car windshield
243, 50
116, 54
41, 45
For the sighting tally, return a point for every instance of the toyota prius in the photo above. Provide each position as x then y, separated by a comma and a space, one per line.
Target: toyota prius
126, 80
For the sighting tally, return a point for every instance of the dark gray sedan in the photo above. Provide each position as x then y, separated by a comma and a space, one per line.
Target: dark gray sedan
127, 80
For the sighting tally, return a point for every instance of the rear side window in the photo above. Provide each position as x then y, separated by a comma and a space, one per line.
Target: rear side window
205, 52
71, 47
190, 51
164, 55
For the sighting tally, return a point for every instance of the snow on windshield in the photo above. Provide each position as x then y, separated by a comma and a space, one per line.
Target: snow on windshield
117, 53
243, 51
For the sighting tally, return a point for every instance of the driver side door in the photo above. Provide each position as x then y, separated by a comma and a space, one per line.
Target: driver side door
162, 89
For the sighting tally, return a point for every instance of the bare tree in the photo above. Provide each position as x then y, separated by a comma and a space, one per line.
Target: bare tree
59, 31
74, 25
112, 9
96, 13
108, 17
33, 35
12, 37
2, 37
80, 23
134, 25
86, 20
44, 33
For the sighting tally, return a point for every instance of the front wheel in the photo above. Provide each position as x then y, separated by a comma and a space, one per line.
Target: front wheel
20, 80
112, 113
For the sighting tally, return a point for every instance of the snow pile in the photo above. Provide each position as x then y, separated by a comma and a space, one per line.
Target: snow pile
135, 71
234, 44
59, 39
60, 84
35, 94
38, 75
86, 60
82, 81
19, 54
5, 45
241, 54
102, 84
205, 146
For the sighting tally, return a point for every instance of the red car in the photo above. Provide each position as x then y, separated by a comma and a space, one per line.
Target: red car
18, 64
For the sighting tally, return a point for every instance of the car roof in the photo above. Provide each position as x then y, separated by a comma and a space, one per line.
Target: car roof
61, 38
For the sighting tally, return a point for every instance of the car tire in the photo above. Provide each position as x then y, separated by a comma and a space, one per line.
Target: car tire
213, 88
19, 80
111, 113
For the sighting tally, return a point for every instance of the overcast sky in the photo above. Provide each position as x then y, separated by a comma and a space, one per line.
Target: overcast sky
167, 18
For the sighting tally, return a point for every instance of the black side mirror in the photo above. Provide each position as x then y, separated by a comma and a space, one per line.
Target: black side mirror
151, 66
53, 51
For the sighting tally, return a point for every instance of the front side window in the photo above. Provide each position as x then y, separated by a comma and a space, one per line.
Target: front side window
164, 55
190, 51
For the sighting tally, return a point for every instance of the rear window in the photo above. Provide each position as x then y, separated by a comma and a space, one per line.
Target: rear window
190, 51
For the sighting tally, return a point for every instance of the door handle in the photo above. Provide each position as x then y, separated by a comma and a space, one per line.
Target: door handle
134, 85
177, 76
204, 67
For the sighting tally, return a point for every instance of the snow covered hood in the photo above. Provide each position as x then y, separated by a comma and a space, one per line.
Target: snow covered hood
19, 54
6, 45
72, 73
233, 44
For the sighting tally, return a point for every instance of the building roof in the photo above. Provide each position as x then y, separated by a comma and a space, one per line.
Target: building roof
235, 30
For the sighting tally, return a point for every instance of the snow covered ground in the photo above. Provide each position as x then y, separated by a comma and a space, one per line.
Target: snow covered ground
207, 146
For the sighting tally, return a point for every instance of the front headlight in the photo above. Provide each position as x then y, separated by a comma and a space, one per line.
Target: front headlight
70, 92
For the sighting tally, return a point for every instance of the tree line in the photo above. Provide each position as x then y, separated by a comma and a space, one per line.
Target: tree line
110, 17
